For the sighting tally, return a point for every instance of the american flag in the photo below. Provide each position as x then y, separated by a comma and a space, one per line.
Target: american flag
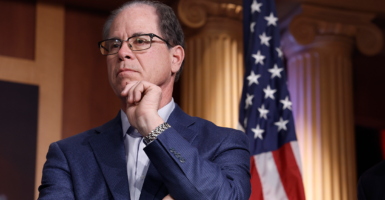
266, 110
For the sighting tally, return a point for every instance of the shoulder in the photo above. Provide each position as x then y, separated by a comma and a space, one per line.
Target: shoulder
372, 182
82, 139
220, 138
206, 130
206, 126
376, 172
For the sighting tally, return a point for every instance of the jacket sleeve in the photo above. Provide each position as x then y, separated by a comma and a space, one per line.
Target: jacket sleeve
56, 182
225, 174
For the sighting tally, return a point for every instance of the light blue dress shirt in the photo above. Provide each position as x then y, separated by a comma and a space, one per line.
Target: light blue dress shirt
136, 158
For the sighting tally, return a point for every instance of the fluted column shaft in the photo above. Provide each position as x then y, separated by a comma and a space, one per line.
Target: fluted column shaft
319, 52
321, 89
213, 73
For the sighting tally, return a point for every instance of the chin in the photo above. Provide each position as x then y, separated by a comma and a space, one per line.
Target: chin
117, 88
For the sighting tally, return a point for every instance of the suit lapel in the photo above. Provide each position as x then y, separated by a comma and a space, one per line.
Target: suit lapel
108, 147
153, 183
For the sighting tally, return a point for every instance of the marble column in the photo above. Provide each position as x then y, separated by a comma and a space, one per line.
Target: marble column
318, 45
213, 71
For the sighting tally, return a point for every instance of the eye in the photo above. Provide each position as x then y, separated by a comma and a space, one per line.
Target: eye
114, 44
141, 41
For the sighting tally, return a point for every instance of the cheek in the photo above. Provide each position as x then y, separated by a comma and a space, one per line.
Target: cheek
159, 70
162, 64
110, 73
110, 68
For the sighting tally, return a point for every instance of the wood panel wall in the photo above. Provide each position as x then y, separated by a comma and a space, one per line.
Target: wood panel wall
17, 35
88, 100
44, 69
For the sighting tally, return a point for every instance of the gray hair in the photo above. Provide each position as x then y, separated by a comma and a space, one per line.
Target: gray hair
169, 25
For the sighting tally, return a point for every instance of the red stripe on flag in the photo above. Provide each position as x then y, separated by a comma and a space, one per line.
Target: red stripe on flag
289, 172
256, 186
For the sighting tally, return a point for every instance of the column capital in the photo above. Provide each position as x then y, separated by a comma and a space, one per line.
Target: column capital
314, 21
194, 13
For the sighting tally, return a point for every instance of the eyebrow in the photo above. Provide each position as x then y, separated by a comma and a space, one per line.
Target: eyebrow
137, 34
113, 38
133, 35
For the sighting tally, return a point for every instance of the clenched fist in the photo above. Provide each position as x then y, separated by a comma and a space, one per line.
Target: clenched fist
142, 105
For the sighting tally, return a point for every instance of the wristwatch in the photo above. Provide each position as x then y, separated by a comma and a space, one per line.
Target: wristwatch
154, 134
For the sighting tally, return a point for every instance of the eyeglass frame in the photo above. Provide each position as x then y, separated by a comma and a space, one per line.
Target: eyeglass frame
130, 46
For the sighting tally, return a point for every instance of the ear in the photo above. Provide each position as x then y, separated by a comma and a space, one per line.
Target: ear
177, 58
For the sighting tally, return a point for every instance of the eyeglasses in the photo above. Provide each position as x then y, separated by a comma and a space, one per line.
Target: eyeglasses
136, 43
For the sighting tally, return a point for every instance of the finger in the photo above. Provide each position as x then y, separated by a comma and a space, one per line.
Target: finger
131, 93
168, 197
138, 92
128, 86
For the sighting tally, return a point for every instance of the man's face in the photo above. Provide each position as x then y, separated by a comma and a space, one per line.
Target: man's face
152, 65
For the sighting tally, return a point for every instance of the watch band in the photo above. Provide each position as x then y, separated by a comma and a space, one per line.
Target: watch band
154, 134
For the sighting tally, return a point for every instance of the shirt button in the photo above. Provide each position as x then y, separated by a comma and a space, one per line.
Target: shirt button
182, 160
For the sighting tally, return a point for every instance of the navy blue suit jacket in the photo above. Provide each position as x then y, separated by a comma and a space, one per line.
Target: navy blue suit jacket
371, 185
194, 159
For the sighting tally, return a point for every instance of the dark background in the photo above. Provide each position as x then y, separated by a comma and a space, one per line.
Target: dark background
18, 131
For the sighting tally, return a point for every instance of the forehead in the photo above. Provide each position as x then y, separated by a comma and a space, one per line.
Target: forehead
137, 18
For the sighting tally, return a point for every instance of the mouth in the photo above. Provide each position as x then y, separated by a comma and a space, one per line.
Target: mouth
125, 71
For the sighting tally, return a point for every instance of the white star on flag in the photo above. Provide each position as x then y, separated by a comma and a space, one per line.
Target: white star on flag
253, 78
258, 132
269, 92
279, 51
267, 116
252, 26
286, 103
281, 124
264, 39
271, 20
258, 57
249, 101
263, 112
275, 71
255, 6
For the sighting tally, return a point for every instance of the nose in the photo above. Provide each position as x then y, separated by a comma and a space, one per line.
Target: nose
125, 52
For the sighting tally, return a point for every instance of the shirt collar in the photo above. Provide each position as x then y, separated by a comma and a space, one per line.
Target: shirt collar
164, 113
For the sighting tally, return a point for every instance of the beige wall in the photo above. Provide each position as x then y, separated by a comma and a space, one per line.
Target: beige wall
88, 100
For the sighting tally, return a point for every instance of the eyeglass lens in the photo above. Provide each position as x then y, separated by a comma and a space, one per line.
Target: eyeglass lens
112, 46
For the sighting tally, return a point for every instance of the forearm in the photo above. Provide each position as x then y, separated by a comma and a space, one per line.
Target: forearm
221, 173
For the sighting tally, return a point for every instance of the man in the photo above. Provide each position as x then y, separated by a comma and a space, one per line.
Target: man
138, 155
372, 183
